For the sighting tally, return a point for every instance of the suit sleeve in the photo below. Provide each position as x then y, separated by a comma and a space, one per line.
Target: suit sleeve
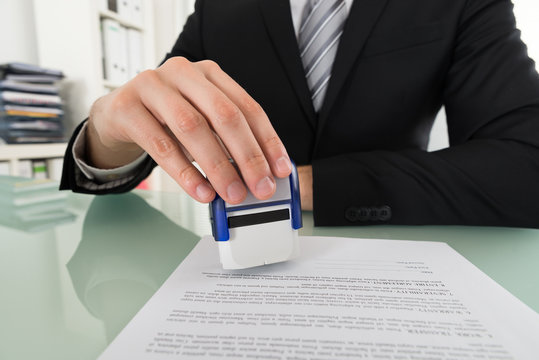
488, 176
74, 179
187, 45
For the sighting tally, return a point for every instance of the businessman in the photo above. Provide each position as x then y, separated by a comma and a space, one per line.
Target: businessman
349, 90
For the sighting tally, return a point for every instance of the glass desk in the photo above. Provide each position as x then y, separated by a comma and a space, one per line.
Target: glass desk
67, 289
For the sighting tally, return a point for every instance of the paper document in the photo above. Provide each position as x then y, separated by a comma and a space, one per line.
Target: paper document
343, 298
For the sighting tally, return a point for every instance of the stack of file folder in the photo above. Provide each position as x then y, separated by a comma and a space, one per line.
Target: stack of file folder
30, 104
32, 205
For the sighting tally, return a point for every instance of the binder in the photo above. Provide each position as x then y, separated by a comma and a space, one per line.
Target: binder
137, 12
29, 69
114, 51
32, 110
131, 11
54, 168
124, 9
32, 78
123, 55
25, 168
103, 5
16, 97
39, 169
135, 54
11, 85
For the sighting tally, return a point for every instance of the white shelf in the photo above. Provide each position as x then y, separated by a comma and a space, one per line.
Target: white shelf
111, 85
32, 151
14, 154
126, 23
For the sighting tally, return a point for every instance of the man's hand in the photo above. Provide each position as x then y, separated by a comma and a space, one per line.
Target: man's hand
305, 176
181, 106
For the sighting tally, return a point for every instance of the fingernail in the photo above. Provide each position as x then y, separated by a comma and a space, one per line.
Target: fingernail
203, 191
265, 187
284, 165
235, 191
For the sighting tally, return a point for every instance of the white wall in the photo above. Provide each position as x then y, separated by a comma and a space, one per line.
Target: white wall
527, 15
17, 32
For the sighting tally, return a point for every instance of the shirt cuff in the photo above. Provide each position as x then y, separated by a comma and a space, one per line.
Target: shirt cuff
102, 176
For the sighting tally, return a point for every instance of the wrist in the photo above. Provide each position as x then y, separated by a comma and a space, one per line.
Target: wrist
108, 157
305, 175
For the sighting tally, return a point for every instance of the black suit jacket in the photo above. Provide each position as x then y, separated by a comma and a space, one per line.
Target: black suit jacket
398, 62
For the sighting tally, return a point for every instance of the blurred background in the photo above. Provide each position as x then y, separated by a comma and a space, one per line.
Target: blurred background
99, 44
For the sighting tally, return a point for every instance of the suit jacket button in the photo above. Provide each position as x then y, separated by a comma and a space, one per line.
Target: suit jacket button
384, 213
373, 214
351, 214
363, 214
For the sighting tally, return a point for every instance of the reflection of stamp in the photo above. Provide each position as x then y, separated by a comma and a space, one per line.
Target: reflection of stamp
258, 232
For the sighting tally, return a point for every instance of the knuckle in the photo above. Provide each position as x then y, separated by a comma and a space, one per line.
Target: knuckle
228, 114
209, 65
146, 77
188, 175
187, 120
163, 146
272, 142
220, 166
128, 96
256, 161
250, 105
122, 101
177, 63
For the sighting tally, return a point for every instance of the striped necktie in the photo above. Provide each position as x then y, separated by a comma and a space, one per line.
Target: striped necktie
319, 35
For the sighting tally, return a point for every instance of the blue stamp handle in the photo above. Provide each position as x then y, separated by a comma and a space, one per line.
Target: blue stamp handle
219, 223
218, 213
297, 221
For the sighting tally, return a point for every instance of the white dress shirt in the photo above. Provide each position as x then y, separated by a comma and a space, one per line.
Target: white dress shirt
114, 177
